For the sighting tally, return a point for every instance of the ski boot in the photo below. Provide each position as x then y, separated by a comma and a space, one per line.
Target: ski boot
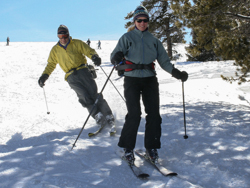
111, 121
129, 156
152, 155
100, 121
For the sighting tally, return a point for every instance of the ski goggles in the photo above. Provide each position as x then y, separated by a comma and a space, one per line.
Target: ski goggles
142, 20
63, 36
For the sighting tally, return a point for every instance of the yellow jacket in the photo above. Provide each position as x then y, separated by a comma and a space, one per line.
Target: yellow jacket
68, 59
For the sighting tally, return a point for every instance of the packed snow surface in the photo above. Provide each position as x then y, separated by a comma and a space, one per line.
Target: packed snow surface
35, 147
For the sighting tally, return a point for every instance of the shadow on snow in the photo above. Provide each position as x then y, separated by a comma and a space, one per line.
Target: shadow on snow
218, 143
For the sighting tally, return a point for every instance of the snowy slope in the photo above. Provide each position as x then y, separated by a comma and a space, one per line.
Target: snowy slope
35, 148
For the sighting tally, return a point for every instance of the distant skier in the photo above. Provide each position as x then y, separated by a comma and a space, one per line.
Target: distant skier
73, 62
88, 42
8, 41
99, 44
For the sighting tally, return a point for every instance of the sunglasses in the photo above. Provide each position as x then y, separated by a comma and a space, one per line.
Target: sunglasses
63, 36
142, 20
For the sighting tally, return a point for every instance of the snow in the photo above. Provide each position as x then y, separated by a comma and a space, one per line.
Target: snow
35, 147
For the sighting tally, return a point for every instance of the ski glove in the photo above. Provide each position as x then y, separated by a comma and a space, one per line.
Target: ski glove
117, 58
42, 80
183, 76
96, 59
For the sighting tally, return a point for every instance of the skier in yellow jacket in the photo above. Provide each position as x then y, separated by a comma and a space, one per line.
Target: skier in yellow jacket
71, 54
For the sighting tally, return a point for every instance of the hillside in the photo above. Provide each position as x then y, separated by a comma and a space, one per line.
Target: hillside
35, 147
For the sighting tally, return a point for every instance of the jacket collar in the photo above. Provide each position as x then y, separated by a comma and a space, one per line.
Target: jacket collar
65, 46
140, 32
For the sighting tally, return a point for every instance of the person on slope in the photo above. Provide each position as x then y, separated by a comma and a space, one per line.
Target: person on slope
8, 41
88, 42
138, 49
71, 54
99, 44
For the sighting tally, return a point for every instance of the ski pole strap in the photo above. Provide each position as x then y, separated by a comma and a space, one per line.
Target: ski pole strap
129, 66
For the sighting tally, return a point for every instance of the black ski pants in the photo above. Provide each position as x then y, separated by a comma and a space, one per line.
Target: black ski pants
84, 85
148, 88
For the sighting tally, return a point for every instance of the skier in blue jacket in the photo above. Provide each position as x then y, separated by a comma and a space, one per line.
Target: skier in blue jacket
138, 49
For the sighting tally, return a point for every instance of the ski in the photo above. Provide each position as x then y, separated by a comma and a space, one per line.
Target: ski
138, 172
164, 171
97, 131
135, 169
111, 132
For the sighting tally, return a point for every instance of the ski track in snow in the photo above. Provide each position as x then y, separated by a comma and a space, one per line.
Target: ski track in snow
35, 147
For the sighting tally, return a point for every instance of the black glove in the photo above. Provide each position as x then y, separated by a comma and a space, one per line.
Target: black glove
183, 76
96, 59
42, 80
117, 58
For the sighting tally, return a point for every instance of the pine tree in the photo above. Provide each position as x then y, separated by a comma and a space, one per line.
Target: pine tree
163, 23
221, 26
198, 53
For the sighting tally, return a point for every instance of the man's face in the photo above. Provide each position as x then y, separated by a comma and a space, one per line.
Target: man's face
64, 38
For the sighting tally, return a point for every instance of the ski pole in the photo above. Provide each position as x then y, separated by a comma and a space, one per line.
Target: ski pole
96, 101
46, 101
113, 85
185, 136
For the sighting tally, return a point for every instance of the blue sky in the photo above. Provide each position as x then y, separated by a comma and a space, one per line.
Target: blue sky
38, 20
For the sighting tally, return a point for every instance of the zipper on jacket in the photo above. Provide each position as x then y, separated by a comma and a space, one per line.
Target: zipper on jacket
143, 56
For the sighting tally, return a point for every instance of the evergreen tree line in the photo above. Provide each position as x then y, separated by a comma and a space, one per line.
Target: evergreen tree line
220, 29
162, 23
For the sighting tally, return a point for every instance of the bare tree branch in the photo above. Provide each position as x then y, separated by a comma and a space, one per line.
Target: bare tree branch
243, 17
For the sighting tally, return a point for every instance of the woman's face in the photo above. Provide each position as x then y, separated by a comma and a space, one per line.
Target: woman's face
141, 23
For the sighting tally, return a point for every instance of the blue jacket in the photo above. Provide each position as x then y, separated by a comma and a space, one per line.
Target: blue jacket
142, 48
